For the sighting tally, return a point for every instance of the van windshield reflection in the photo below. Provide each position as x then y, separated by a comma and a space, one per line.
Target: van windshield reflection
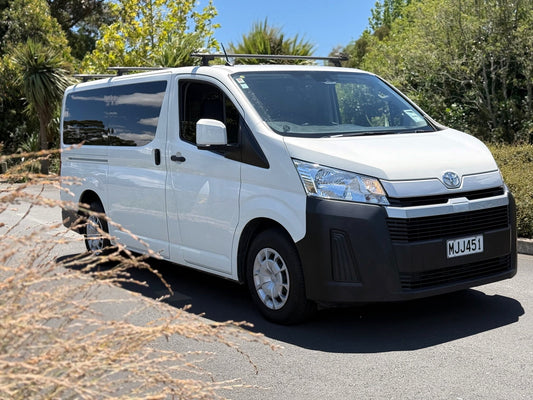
334, 104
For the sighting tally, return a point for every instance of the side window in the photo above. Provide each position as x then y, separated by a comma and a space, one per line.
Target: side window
84, 117
134, 113
125, 115
202, 100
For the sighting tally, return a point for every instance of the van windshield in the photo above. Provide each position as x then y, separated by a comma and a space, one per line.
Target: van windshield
318, 103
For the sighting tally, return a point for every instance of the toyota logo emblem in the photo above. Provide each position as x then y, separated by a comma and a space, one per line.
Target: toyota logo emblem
451, 180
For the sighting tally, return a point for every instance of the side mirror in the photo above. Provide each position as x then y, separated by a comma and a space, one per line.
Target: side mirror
210, 132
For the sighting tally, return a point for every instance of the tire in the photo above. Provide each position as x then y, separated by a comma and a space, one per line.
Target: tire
96, 223
275, 278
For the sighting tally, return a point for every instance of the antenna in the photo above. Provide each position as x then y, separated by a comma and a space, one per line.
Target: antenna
228, 62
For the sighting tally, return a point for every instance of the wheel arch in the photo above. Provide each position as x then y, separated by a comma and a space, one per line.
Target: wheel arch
87, 198
250, 231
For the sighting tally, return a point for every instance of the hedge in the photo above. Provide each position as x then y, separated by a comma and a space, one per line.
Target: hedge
516, 165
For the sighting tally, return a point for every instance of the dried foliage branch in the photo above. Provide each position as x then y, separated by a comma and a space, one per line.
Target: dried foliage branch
56, 340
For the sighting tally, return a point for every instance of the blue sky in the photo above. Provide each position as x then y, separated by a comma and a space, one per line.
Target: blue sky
327, 24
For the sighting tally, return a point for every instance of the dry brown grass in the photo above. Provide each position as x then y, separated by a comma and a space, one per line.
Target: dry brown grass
56, 341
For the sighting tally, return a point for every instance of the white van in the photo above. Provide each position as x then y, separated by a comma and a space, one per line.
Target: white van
310, 184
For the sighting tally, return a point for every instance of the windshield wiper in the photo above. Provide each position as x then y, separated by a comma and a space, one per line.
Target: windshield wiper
365, 133
382, 132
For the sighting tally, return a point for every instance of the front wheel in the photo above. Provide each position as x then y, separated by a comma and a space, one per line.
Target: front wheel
275, 279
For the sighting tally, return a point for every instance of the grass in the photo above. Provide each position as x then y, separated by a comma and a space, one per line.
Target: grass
56, 339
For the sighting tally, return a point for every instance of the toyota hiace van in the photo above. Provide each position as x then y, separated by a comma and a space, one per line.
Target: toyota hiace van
309, 184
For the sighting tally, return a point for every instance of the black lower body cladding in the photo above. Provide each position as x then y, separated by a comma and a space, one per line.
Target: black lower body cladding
70, 217
349, 256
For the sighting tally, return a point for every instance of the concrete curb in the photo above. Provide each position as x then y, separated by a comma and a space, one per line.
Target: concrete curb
525, 246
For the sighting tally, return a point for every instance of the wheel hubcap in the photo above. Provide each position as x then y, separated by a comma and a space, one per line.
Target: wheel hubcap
95, 241
271, 278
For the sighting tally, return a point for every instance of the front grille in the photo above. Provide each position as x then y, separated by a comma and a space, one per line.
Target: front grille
443, 199
450, 275
448, 225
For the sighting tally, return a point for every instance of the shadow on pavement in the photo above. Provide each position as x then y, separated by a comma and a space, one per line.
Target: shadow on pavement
359, 329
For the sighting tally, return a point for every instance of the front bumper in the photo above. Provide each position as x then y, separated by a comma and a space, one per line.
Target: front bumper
349, 255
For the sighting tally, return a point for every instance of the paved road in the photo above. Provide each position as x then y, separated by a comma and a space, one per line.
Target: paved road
475, 344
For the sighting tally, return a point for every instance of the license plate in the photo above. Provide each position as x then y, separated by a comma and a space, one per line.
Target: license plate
464, 246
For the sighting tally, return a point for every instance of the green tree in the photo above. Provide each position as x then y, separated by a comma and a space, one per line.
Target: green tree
265, 39
383, 15
385, 12
144, 29
358, 49
80, 20
21, 20
25, 19
43, 79
467, 63
176, 52
4, 5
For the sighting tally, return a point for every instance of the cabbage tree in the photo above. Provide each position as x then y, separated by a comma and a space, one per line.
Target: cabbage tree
43, 79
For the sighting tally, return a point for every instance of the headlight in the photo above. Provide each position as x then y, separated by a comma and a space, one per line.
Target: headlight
331, 183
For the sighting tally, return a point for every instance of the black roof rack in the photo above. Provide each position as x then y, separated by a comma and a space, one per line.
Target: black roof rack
119, 72
86, 77
206, 57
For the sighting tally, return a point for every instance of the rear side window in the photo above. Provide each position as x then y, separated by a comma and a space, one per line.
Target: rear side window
135, 112
84, 117
125, 115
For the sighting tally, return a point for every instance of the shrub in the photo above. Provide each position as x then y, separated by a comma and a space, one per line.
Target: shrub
57, 342
516, 165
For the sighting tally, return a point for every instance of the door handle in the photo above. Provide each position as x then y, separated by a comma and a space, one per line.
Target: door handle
177, 157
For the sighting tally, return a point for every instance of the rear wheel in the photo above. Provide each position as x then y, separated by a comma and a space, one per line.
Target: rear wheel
275, 279
96, 229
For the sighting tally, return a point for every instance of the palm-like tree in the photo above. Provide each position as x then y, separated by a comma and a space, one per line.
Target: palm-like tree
43, 80
265, 39
176, 52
